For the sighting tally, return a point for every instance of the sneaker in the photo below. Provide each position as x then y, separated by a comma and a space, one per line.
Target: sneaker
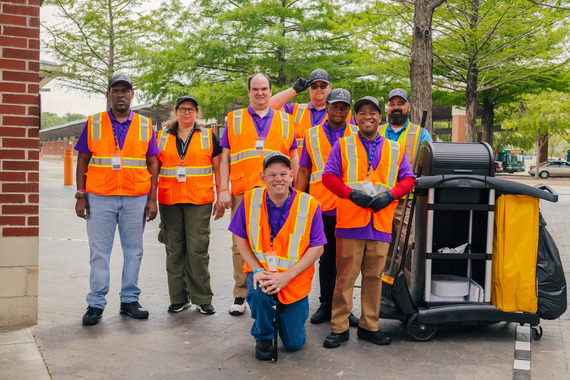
133, 310
206, 309
178, 307
352, 320
92, 316
322, 314
264, 349
238, 307
376, 337
333, 340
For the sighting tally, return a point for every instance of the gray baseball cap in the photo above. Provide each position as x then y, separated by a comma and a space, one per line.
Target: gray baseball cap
399, 92
367, 100
339, 95
320, 75
276, 156
120, 78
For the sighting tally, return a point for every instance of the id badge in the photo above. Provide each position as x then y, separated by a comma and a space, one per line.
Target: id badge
271, 260
181, 173
259, 143
116, 161
369, 187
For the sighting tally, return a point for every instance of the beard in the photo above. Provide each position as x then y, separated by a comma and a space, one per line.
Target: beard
397, 118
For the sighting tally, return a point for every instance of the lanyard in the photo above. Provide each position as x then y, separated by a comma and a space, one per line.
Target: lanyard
331, 140
261, 128
185, 145
368, 153
273, 230
316, 121
123, 132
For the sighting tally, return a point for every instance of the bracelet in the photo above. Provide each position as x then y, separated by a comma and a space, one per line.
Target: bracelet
80, 191
226, 189
259, 270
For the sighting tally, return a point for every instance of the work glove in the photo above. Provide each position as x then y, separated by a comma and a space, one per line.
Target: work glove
360, 199
381, 200
301, 84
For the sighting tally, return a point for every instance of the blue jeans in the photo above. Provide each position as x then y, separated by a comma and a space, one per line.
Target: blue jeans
105, 213
291, 321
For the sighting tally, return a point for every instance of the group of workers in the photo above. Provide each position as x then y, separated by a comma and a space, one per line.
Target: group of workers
302, 181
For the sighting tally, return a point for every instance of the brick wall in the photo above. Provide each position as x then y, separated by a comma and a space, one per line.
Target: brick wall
19, 160
57, 148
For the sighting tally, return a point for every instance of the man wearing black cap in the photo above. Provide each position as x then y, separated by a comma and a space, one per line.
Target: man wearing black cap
367, 173
307, 115
117, 172
279, 233
410, 136
316, 148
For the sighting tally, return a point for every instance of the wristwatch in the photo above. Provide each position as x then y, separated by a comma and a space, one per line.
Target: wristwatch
80, 194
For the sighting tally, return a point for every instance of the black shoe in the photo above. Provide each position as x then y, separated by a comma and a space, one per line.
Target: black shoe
178, 307
264, 349
333, 340
352, 320
322, 314
376, 337
92, 316
206, 309
133, 310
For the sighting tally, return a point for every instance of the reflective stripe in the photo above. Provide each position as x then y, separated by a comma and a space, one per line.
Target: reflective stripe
163, 139
96, 127
237, 121
251, 153
285, 122
299, 143
300, 111
353, 129
205, 138
255, 212
190, 171
300, 224
314, 137
393, 169
410, 147
126, 162
317, 176
352, 168
143, 128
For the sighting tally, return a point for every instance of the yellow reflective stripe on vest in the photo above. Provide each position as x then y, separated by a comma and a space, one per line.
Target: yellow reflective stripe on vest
250, 153
313, 136
300, 112
285, 124
300, 224
96, 127
126, 162
254, 222
205, 138
191, 171
299, 143
352, 169
163, 139
144, 125
237, 121
393, 169
410, 147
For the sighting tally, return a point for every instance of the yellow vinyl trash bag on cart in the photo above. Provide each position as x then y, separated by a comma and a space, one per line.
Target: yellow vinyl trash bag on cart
515, 244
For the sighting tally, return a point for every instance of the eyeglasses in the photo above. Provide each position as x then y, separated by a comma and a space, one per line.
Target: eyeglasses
187, 110
322, 86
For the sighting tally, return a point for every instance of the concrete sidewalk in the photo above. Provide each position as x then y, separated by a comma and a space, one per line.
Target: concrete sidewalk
219, 346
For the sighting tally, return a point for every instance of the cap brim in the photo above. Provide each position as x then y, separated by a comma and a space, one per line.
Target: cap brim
273, 159
339, 101
121, 81
362, 102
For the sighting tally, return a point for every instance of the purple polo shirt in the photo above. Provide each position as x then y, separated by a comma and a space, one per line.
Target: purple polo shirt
333, 135
259, 122
316, 115
83, 145
317, 238
334, 166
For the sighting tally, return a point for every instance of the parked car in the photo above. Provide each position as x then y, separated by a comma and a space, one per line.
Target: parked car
558, 168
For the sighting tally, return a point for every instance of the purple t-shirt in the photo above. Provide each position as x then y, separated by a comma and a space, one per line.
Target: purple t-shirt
334, 166
333, 135
317, 238
83, 145
262, 125
316, 115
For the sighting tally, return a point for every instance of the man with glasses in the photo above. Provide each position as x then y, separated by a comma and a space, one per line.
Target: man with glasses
307, 115
251, 134
368, 173
117, 173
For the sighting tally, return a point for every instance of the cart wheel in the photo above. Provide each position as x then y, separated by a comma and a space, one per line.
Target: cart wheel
536, 332
420, 332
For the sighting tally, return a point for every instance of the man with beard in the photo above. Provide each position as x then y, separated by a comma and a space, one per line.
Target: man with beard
399, 128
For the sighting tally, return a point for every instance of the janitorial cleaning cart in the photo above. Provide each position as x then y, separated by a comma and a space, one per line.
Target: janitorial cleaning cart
475, 244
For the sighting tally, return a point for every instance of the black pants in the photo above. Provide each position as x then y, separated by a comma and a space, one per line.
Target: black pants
327, 262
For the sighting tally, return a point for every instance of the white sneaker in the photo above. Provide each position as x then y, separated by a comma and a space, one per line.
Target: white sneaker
238, 307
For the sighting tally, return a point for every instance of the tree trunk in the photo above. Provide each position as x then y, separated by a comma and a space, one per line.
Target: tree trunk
488, 119
111, 70
421, 63
471, 85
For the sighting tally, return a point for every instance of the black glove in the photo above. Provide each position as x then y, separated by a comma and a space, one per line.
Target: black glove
301, 84
381, 200
360, 199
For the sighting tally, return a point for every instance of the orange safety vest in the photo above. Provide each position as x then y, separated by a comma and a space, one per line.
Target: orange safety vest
409, 139
133, 179
291, 242
319, 148
302, 119
199, 186
384, 178
246, 162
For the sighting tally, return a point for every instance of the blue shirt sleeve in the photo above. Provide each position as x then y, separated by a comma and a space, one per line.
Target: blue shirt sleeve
425, 136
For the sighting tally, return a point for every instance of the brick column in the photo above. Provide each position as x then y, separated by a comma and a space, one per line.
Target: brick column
457, 124
19, 161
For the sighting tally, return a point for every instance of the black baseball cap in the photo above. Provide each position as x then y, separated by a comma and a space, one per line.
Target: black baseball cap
399, 92
319, 75
186, 98
367, 100
339, 95
276, 156
120, 78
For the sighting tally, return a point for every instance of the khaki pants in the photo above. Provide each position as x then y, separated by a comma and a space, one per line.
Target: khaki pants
352, 257
401, 215
240, 286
